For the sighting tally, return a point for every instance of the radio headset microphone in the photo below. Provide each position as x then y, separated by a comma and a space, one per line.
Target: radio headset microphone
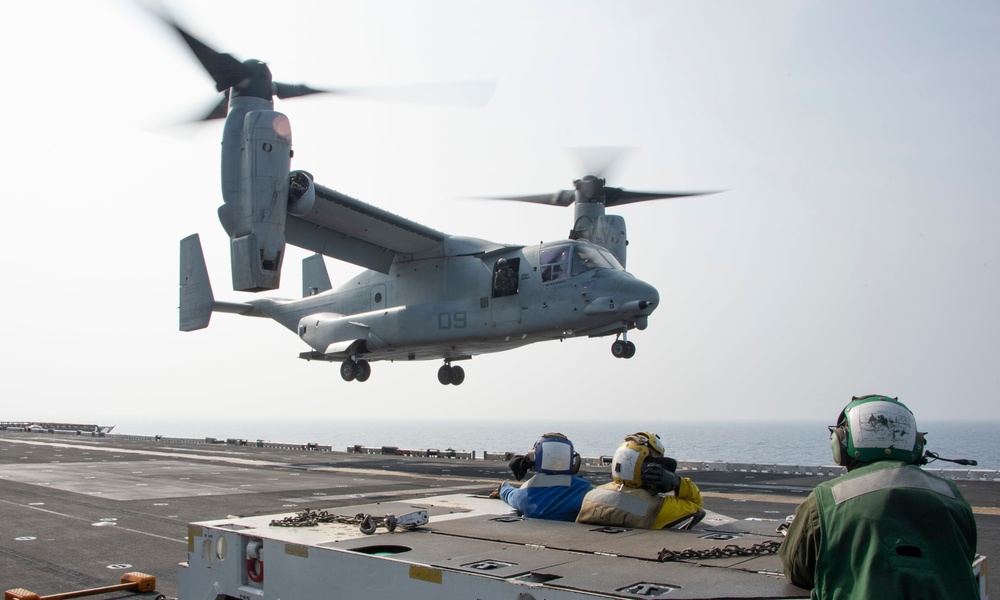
958, 461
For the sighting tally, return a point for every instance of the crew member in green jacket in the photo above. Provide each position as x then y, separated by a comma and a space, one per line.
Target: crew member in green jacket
886, 529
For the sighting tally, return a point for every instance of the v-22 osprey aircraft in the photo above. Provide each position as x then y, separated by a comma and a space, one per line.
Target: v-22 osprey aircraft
425, 294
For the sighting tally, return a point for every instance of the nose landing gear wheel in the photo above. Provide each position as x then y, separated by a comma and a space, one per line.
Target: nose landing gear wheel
622, 349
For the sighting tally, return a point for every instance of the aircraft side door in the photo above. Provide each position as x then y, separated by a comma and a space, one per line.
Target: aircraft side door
505, 303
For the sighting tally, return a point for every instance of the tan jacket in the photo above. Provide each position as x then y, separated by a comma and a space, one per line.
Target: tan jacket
618, 506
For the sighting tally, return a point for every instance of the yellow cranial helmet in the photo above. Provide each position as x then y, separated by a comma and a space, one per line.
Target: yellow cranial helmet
626, 465
650, 440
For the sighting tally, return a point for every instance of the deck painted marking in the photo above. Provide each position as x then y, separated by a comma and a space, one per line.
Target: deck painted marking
75, 518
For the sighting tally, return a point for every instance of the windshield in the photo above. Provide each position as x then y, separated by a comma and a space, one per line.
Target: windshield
566, 260
587, 257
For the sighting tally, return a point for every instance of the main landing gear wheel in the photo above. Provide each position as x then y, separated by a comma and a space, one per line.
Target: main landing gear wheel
352, 370
364, 371
449, 374
622, 349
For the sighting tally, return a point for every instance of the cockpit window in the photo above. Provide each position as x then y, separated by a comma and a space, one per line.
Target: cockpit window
554, 263
567, 260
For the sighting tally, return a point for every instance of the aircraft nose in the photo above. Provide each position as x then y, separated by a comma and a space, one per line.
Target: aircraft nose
629, 298
647, 296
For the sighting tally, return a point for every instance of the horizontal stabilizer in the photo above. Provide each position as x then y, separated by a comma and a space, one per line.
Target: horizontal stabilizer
315, 278
196, 300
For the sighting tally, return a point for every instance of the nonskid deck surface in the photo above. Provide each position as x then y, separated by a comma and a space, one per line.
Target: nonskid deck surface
76, 511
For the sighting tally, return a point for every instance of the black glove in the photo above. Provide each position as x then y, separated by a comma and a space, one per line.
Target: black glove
670, 464
667, 462
657, 479
520, 466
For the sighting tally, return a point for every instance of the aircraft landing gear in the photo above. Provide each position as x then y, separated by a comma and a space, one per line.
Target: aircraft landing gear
449, 374
359, 370
622, 348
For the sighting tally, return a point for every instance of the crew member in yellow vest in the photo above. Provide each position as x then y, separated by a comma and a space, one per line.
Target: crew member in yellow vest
646, 492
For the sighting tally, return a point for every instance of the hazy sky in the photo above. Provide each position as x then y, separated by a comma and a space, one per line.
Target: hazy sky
854, 251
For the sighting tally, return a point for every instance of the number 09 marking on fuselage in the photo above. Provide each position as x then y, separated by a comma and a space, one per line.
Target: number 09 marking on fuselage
455, 320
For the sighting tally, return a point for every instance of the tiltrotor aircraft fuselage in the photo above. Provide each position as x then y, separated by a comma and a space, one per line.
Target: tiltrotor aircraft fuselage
425, 294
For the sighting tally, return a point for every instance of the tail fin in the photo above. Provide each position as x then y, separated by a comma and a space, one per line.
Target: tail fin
315, 279
196, 290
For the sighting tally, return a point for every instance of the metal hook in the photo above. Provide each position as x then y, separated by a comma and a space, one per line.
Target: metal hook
367, 525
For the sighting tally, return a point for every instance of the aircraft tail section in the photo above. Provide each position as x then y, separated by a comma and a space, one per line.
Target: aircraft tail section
196, 300
315, 278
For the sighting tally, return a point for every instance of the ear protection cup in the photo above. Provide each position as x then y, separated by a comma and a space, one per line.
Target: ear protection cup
576, 462
626, 464
838, 444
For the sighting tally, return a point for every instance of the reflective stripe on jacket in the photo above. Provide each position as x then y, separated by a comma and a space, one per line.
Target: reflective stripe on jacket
638, 508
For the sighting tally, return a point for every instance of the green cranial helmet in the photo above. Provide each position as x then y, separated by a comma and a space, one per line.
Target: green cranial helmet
874, 428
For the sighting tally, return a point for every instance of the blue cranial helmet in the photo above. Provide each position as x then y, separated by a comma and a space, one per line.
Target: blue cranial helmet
553, 455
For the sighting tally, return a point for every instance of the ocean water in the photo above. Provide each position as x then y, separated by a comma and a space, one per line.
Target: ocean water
779, 442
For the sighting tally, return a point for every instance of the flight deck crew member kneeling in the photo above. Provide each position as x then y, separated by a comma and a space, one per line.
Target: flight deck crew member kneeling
646, 493
886, 529
555, 491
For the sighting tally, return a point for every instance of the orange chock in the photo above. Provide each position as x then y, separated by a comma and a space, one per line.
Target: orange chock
134, 582
144, 582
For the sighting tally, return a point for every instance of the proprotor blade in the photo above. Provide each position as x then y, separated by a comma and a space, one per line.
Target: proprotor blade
219, 110
618, 196
223, 68
469, 94
287, 90
600, 160
560, 198
253, 78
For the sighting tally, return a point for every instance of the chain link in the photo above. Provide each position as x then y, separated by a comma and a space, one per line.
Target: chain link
768, 547
309, 518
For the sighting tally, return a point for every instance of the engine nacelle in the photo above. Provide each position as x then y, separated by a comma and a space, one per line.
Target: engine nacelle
301, 193
256, 164
609, 232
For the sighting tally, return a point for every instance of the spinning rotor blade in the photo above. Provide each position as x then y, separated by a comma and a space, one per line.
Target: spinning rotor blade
599, 161
219, 110
560, 198
286, 90
470, 94
223, 68
253, 78
618, 196
612, 197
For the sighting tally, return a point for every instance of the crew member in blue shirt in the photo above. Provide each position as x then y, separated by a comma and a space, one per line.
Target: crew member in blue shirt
555, 491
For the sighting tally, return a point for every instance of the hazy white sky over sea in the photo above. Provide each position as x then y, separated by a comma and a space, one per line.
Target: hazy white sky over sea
854, 251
